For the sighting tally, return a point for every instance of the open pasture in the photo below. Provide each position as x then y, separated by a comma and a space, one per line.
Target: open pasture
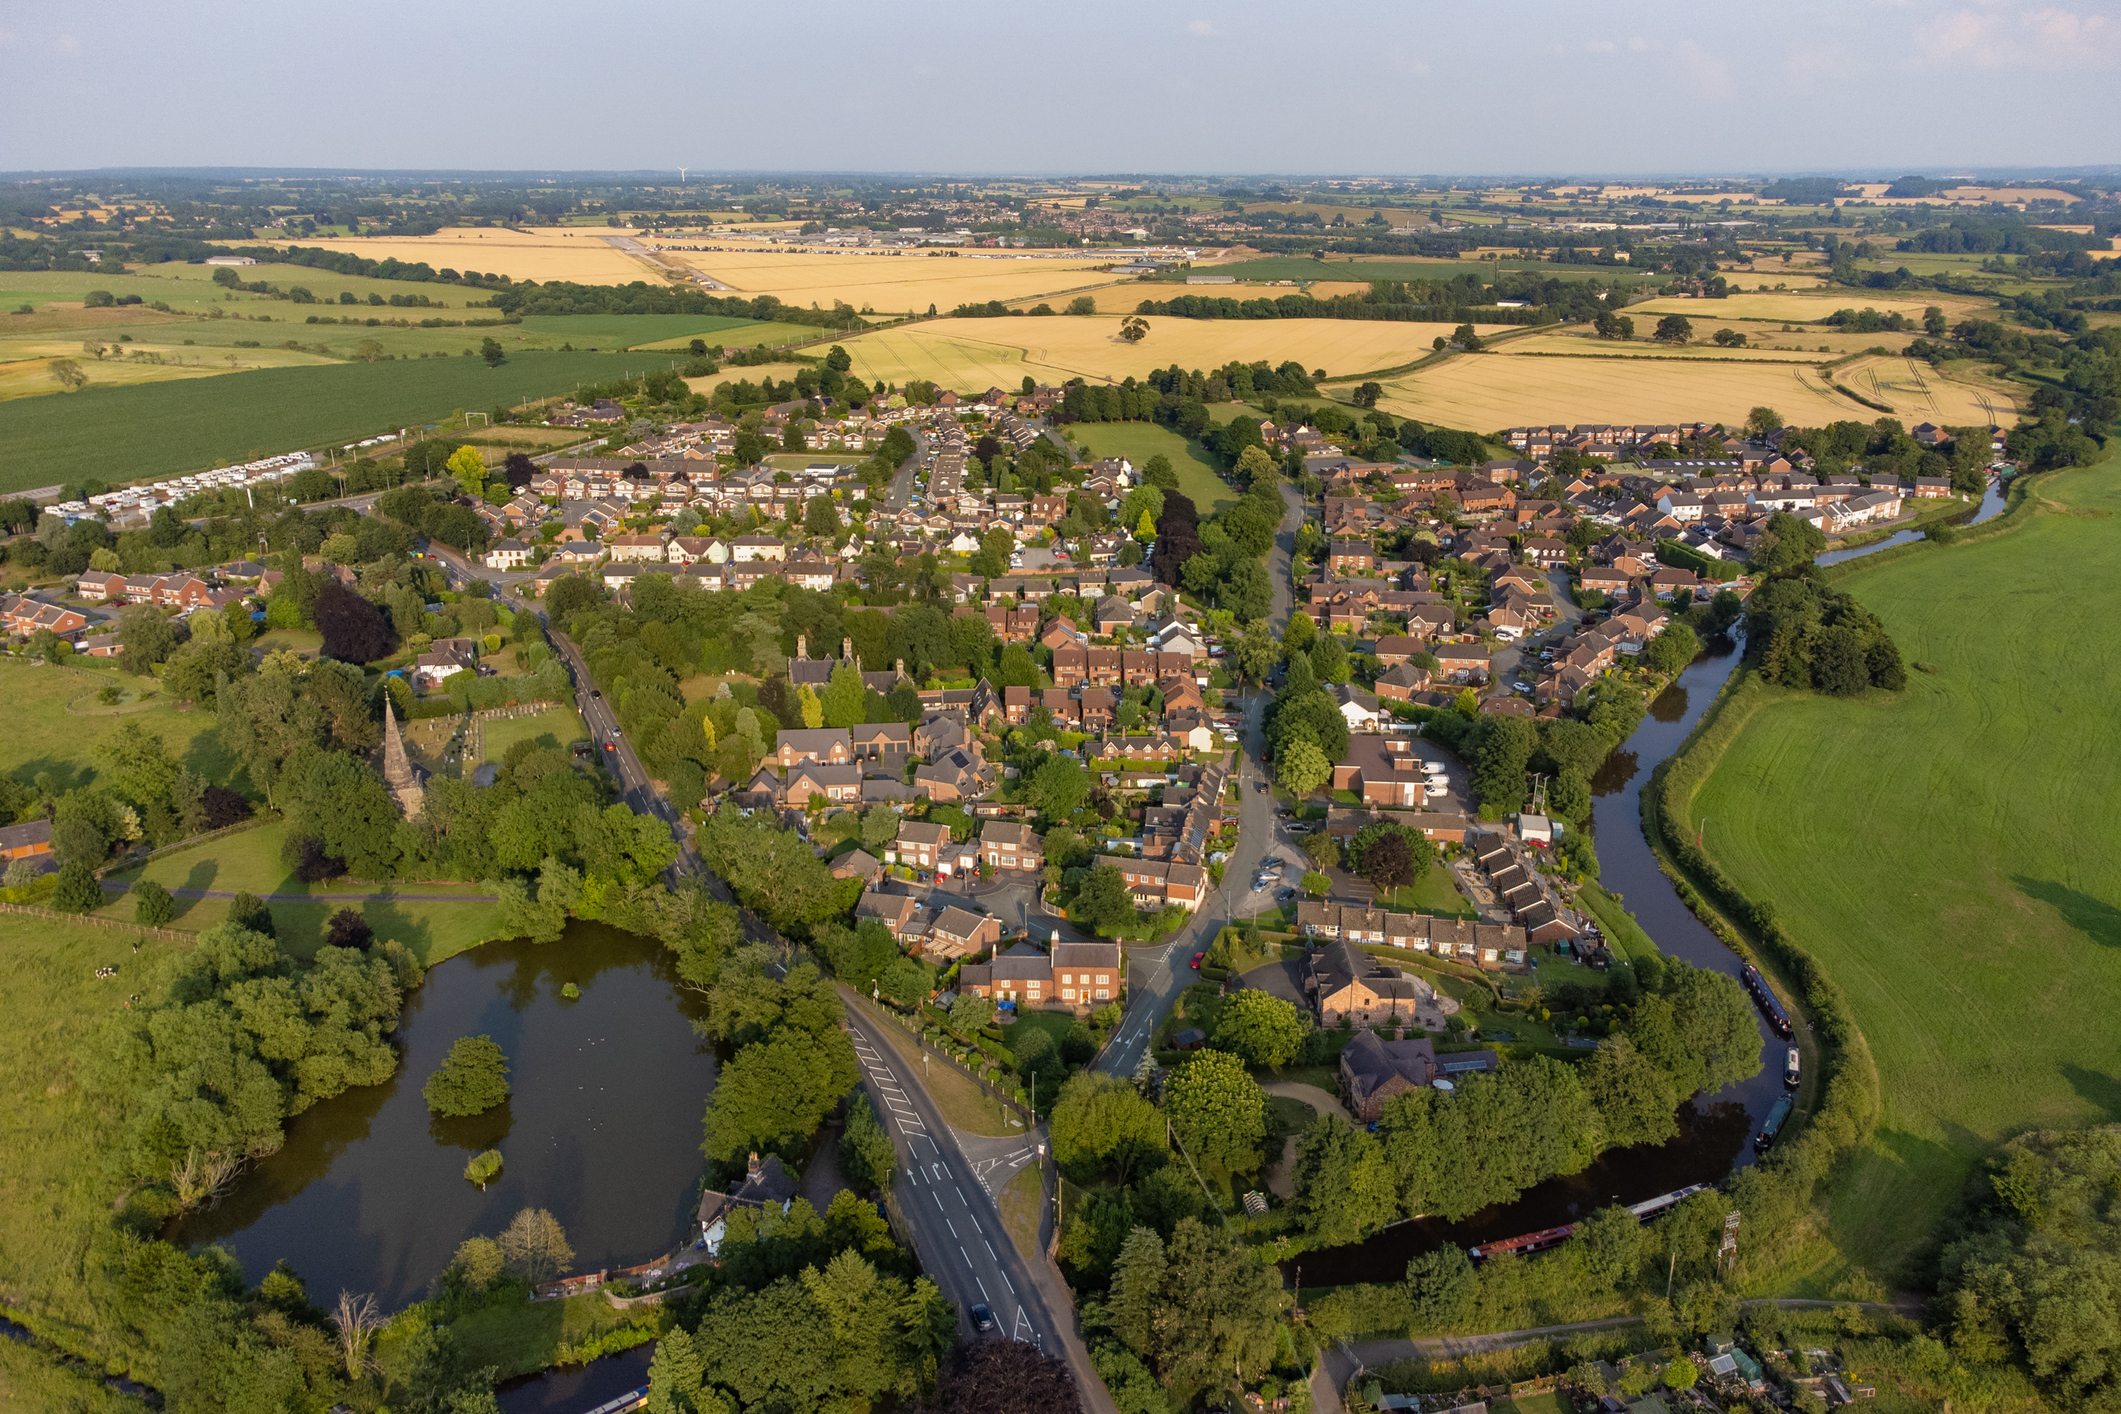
976, 353
1951, 856
190, 289
1487, 391
894, 282
745, 334
582, 255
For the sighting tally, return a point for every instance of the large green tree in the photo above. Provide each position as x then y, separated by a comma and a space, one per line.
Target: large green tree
1344, 1187
1262, 1028
1101, 1125
472, 1080
1218, 1110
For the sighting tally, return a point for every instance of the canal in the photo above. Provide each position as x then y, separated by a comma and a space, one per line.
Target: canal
602, 1128
1714, 1129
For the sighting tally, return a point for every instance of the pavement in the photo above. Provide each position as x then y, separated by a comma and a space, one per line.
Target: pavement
1156, 975
948, 1198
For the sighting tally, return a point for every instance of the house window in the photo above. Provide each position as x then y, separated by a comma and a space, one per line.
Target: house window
1067, 994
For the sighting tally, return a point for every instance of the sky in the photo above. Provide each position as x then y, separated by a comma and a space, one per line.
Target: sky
1534, 87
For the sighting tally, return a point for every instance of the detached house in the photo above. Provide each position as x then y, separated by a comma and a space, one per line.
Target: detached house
1007, 845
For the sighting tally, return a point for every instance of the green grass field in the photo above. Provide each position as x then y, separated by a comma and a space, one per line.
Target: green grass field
54, 723
165, 429
52, 1190
1139, 441
1952, 856
738, 334
558, 727
191, 288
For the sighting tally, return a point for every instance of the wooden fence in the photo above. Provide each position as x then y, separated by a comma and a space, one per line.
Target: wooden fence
167, 935
133, 861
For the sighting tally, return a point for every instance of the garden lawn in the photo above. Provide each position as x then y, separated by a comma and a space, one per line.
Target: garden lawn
52, 1191
521, 1336
1139, 441
1952, 855
1436, 892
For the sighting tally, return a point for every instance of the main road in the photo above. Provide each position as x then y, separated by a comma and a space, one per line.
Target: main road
950, 1200
1157, 975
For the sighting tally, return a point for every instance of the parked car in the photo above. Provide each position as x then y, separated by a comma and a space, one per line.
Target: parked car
1285, 895
1196, 960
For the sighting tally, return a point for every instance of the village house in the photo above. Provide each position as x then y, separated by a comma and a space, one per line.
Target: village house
1373, 1070
1008, 845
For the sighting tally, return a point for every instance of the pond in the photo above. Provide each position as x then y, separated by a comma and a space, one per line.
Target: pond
603, 1127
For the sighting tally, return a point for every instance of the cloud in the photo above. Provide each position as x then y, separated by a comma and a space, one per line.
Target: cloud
1638, 45
1706, 75
1602, 46
1201, 29
1997, 36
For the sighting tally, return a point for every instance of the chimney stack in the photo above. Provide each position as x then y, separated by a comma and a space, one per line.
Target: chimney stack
802, 646
900, 664
751, 1169
847, 649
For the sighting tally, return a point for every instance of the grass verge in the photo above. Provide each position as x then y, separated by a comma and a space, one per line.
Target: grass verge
964, 1105
1020, 1202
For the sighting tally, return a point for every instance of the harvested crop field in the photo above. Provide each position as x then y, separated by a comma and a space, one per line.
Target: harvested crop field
1918, 392
977, 353
891, 282
1765, 345
1491, 391
1798, 306
540, 253
759, 373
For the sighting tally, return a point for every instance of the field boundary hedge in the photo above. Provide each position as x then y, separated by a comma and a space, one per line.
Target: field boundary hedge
1783, 1187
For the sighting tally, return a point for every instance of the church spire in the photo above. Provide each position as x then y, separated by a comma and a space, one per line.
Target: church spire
399, 774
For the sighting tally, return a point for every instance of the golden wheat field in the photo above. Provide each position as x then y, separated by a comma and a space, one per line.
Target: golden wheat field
1797, 306
758, 373
1765, 343
1489, 391
580, 254
1918, 392
976, 353
891, 282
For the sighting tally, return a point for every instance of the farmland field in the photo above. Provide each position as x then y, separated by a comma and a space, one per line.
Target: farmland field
893, 283
1139, 441
163, 429
1762, 345
627, 331
1951, 856
976, 353
778, 372
541, 253
1916, 392
1291, 267
190, 289
1487, 391
1797, 306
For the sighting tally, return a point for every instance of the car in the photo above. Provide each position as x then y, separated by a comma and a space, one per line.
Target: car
982, 1318
611, 746
1521, 685
1197, 960
1273, 862
1260, 786
593, 692
1285, 895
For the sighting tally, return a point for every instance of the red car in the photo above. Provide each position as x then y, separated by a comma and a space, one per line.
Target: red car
1196, 960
